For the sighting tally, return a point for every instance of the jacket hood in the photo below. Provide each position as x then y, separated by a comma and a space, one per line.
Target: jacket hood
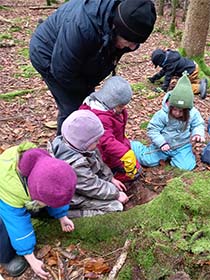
60, 149
171, 57
64, 151
115, 91
101, 15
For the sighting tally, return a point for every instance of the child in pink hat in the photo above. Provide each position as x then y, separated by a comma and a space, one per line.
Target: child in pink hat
97, 191
30, 178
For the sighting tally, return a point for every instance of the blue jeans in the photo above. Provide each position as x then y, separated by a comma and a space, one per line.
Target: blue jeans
7, 253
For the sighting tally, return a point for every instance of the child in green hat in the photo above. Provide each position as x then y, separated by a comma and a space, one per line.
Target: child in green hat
173, 129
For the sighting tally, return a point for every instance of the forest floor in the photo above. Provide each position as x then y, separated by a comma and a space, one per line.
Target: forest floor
28, 115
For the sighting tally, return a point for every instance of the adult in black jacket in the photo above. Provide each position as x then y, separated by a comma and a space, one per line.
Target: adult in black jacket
173, 64
80, 44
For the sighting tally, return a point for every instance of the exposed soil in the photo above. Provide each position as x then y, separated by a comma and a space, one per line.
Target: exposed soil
27, 117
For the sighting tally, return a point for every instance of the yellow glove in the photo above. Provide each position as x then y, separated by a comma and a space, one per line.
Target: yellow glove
129, 161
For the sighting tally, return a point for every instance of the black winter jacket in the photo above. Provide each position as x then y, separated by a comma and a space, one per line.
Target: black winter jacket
174, 65
75, 44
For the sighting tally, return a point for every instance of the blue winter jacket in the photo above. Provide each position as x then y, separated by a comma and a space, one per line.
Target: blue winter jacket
75, 44
164, 129
18, 219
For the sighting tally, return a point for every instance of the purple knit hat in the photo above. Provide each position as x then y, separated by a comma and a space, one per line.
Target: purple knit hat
50, 180
81, 129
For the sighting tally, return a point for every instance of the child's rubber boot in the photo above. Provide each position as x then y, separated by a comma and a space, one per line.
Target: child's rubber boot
203, 88
16, 266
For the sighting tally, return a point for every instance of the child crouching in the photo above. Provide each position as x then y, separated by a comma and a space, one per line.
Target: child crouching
30, 177
97, 191
109, 104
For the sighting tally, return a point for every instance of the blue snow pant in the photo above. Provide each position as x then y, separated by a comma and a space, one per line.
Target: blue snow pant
7, 253
182, 157
66, 101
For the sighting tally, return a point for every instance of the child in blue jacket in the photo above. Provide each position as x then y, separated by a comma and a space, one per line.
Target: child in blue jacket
172, 129
29, 179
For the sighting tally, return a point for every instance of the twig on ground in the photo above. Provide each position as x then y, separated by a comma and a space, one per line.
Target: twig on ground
52, 272
43, 7
12, 118
2, 19
155, 183
120, 261
108, 254
8, 44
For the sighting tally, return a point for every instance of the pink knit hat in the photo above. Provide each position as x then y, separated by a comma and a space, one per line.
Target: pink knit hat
82, 128
50, 180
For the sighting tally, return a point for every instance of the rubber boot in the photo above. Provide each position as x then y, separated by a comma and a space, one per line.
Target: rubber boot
203, 88
16, 266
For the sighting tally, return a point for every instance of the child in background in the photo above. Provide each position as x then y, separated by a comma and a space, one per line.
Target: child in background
205, 155
172, 129
108, 103
173, 64
97, 191
30, 178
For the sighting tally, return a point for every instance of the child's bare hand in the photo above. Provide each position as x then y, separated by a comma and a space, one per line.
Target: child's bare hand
66, 224
37, 266
119, 184
198, 138
165, 148
123, 198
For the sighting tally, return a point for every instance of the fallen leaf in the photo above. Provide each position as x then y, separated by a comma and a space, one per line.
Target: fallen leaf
43, 251
51, 124
96, 265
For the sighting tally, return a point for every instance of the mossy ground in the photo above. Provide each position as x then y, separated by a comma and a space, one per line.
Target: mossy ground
170, 233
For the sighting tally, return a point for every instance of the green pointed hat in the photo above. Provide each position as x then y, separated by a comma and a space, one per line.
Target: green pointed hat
182, 95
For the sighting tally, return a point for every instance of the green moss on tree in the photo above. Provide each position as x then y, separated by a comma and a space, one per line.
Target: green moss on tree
205, 69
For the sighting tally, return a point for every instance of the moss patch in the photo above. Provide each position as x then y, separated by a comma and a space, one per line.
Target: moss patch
170, 233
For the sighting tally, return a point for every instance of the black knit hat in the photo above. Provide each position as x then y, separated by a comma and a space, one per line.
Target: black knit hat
134, 20
158, 56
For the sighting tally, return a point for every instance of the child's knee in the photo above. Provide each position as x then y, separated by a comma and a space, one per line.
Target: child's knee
185, 165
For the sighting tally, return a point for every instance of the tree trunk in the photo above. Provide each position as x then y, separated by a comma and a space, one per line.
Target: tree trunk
160, 7
196, 28
173, 20
185, 6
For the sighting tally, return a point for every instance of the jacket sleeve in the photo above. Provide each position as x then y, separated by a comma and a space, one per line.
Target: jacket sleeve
158, 75
106, 173
169, 73
197, 124
69, 53
110, 145
19, 227
59, 212
90, 185
155, 126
